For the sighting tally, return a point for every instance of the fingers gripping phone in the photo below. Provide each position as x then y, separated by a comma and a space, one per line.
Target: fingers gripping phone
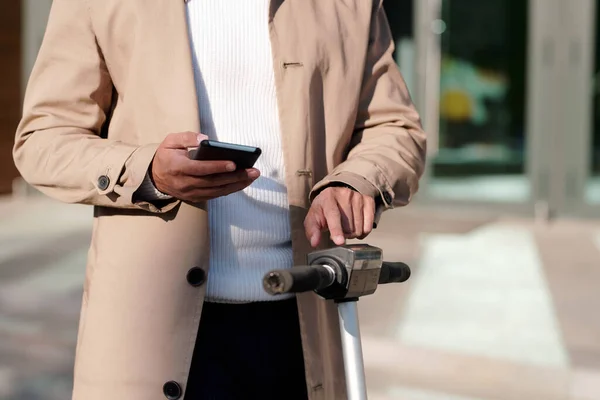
244, 157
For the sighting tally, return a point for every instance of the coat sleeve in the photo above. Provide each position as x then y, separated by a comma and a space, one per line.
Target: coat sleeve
60, 148
386, 157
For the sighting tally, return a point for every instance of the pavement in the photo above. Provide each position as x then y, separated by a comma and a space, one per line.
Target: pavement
498, 308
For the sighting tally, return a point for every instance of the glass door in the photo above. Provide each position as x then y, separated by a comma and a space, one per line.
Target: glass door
481, 109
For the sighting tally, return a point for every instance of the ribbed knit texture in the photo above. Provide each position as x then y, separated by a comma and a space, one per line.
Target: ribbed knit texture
233, 65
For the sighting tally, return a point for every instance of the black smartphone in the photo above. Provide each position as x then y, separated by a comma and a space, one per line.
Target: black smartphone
244, 157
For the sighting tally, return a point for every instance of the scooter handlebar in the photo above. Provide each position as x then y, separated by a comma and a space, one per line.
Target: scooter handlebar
298, 279
394, 273
316, 277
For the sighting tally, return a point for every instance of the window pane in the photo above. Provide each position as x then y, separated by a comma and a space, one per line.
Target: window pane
482, 101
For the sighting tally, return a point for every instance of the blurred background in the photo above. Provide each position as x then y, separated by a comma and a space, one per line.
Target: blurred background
503, 238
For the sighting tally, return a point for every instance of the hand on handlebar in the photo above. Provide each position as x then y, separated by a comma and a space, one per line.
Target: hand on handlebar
346, 213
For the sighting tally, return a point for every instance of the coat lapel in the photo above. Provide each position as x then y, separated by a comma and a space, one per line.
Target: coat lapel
273, 7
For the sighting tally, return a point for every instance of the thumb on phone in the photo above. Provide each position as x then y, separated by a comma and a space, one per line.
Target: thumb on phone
183, 140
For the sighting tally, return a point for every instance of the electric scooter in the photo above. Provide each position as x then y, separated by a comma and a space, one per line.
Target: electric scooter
342, 274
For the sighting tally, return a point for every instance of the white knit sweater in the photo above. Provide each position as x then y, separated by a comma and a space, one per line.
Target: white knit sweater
233, 65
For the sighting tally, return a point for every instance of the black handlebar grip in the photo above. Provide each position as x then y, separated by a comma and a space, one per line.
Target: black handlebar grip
394, 272
298, 279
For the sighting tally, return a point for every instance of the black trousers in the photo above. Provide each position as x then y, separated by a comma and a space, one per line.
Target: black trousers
248, 351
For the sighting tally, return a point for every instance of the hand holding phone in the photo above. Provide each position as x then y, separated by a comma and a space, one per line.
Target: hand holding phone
175, 174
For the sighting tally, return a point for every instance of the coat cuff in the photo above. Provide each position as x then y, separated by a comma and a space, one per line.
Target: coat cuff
134, 177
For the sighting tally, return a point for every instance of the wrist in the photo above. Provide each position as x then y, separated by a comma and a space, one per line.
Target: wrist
148, 191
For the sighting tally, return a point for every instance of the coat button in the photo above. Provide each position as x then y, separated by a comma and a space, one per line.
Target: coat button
172, 390
103, 182
387, 197
196, 276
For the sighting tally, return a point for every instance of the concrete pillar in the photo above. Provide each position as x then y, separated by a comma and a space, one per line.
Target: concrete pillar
34, 17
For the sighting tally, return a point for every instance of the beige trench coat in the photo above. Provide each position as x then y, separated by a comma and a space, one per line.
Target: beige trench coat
113, 78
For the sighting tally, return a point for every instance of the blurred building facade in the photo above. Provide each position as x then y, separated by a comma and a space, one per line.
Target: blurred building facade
10, 87
508, 89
